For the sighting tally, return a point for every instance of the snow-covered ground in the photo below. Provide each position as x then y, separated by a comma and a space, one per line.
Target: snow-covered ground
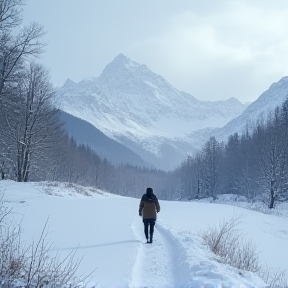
108, 233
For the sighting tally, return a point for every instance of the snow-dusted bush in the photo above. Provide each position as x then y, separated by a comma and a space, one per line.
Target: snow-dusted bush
33, 266
225, 241
274, 278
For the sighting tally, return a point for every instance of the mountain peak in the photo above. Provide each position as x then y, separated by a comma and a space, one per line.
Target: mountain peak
121, 58
69, 83
120, 69
233, 100
124, 62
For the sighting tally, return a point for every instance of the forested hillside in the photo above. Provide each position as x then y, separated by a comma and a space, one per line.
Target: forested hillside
253, 165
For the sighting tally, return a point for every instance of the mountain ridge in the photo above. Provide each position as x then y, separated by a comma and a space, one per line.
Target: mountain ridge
138, 108
258, 110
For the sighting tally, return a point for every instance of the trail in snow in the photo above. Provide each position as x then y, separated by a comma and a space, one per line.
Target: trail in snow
159, 264
175, 261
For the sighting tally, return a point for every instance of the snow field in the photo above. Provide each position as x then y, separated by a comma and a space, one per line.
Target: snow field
108, 235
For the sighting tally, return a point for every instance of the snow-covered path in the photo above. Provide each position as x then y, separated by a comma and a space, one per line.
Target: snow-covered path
153, 264
161, 264
107, 232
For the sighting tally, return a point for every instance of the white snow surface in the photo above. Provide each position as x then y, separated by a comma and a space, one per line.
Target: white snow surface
108, 233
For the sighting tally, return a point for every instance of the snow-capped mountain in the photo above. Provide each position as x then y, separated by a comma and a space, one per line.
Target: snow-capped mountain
256, 111
140, 109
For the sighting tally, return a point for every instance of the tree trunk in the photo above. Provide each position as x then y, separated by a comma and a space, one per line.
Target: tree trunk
272, 194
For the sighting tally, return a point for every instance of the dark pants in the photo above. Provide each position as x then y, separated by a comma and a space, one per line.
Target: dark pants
147, 223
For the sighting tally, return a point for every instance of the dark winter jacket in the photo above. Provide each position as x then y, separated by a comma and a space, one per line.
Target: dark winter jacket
149, 206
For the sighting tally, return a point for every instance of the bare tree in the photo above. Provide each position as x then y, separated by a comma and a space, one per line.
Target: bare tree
17, 44
10, 13
30, 122
14, 50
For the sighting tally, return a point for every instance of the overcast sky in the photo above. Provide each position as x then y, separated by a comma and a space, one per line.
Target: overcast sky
212, 49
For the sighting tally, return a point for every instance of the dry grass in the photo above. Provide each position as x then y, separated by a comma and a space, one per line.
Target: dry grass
225, 241
274, 278
33, 266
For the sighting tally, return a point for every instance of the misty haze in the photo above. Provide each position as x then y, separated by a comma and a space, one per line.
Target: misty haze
143, 145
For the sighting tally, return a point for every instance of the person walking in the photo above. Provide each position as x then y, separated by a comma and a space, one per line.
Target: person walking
148, 209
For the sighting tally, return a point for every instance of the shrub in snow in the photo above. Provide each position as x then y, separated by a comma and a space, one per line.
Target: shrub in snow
225, 241
33, 266
231, 198
274, 278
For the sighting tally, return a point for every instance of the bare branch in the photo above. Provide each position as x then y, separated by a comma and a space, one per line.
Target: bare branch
226, 242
